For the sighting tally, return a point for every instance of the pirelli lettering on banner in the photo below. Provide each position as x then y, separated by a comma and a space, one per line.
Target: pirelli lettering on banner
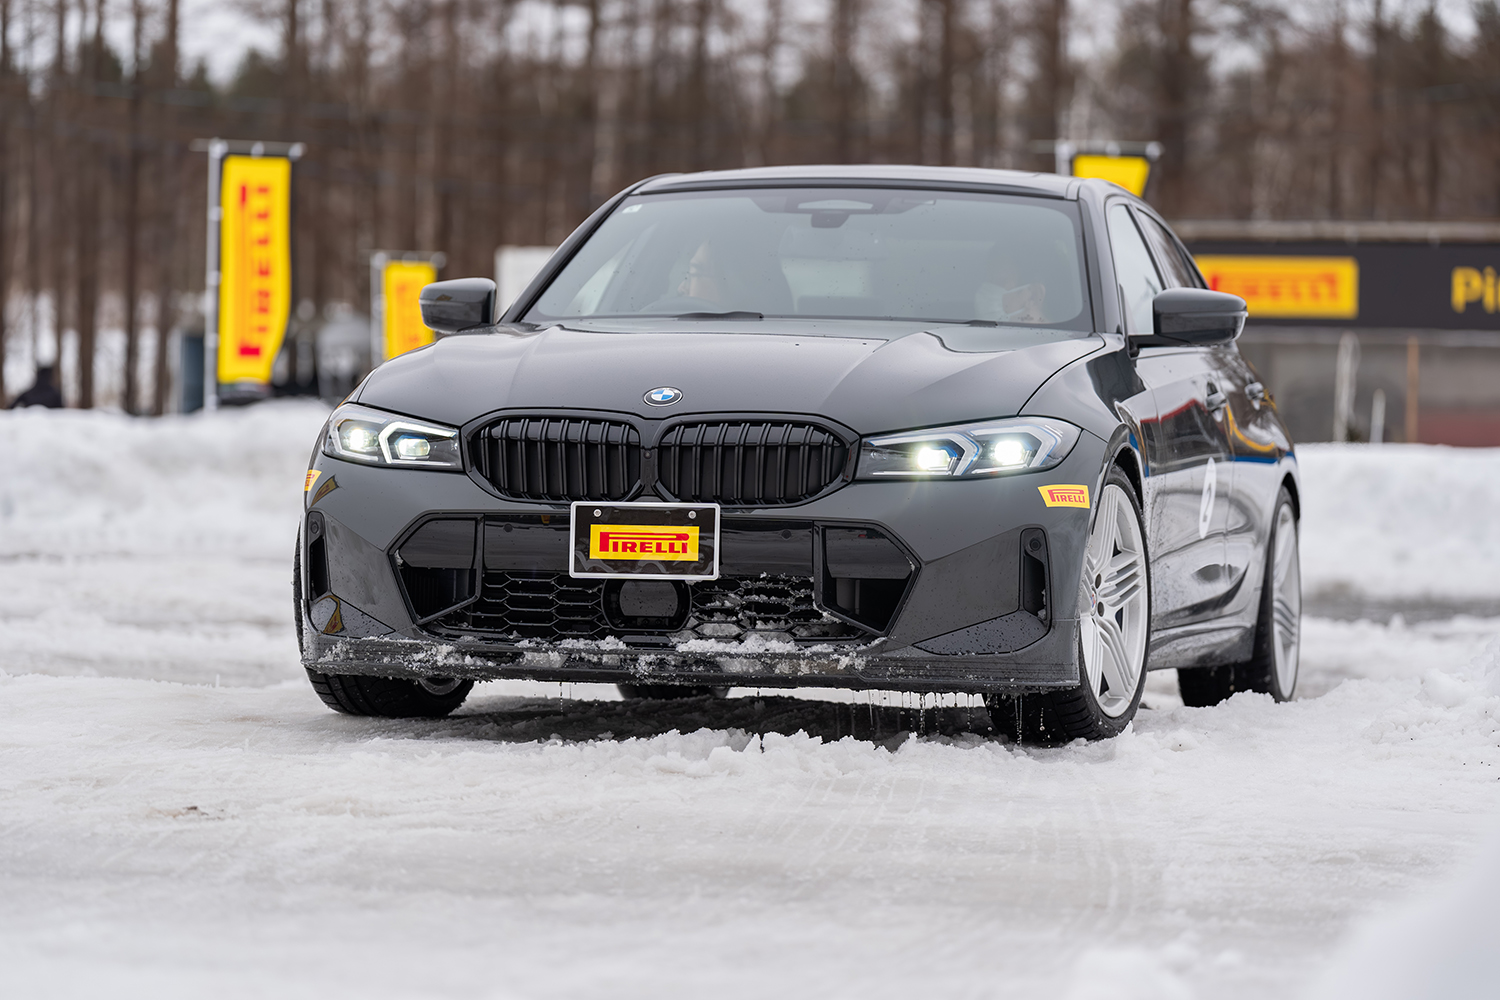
1287, 287
1065, 496
643, 541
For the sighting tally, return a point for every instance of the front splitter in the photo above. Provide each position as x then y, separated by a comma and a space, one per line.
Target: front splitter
1048, 664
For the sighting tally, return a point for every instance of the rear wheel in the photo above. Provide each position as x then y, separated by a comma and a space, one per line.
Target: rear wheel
389, 697
1275, 658
1113, 631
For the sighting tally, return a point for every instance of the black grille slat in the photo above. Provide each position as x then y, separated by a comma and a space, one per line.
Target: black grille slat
750, 463
561, 459
753, 463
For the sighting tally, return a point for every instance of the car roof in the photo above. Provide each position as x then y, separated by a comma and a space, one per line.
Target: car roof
1019, 181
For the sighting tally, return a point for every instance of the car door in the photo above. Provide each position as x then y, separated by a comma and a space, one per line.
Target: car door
1186, 447
1252, 438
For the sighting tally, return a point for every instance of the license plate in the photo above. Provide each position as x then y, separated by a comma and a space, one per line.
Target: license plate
652, 541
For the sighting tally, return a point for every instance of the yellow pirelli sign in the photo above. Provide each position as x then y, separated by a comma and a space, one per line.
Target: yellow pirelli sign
643, 541
401, 286
1130, 172
1287, 287
255, 265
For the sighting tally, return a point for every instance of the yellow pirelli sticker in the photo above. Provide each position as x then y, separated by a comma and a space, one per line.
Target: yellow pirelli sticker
311, 480
643, 541
1065, 496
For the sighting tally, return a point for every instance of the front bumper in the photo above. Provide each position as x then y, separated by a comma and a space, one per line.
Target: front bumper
989, 602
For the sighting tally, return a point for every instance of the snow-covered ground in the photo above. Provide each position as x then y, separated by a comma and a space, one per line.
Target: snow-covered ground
179, 815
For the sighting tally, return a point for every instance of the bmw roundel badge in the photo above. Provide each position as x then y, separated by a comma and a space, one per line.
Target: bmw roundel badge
663, 396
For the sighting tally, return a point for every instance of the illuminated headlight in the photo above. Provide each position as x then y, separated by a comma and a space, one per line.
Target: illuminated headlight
361, 434
992, 448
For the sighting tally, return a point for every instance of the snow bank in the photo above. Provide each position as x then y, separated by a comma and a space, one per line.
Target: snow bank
85, 483
1401, 522
152, 548
1445, 945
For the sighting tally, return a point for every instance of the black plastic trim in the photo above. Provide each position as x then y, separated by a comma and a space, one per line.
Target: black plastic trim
476, 567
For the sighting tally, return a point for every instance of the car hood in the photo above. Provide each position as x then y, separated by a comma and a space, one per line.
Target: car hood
912, 377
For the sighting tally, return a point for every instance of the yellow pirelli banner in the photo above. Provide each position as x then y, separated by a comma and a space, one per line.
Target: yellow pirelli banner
1287, 287
255, 265
401, 284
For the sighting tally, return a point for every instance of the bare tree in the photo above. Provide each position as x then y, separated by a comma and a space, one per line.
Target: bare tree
1051, 86
5, 174
130, 240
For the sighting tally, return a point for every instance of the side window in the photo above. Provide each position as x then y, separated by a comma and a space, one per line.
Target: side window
1134, 271
1178, 272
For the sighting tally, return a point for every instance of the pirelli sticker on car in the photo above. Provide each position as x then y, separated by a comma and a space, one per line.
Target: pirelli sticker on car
1065, 496
643, 541
311, 480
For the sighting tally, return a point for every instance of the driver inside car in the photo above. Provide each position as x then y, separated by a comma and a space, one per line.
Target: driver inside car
703, 279
1011, 292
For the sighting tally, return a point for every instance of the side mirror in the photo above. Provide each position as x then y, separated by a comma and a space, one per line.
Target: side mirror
460, 304
1197, 316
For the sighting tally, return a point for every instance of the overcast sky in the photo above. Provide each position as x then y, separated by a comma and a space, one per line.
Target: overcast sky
219, 32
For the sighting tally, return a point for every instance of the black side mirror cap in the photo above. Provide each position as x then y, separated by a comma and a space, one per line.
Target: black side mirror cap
1197, 316
458, 305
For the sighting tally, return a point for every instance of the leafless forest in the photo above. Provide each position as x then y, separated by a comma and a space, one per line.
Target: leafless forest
460, 125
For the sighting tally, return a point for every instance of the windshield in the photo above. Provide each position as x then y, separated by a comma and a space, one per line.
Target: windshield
847, 253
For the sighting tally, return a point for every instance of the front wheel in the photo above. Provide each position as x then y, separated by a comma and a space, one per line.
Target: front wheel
390, 697
1114, 626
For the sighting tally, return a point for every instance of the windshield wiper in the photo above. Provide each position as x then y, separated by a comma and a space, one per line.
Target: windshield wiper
731, 314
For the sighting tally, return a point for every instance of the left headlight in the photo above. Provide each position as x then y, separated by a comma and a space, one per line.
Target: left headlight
991, 448
360, 434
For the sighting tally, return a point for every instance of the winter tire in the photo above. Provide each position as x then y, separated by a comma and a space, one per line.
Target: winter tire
1114, 624
387, 697
390, 697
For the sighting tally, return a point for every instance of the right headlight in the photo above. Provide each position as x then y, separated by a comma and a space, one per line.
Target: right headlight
361, 434
990, 448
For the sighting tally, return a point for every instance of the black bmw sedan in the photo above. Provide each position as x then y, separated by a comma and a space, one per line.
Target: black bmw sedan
925, 429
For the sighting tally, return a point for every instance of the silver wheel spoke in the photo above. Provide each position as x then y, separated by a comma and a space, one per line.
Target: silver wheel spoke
1102, 543
1285, 617
1113, 617
1286, 602
1286, 547
1092, 650
1115, 664
1122, 580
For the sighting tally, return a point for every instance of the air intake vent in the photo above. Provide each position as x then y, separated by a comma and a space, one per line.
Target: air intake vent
560, 459
755, 463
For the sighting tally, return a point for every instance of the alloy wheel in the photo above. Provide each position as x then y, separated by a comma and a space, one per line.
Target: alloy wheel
1113, 623
1286, 601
